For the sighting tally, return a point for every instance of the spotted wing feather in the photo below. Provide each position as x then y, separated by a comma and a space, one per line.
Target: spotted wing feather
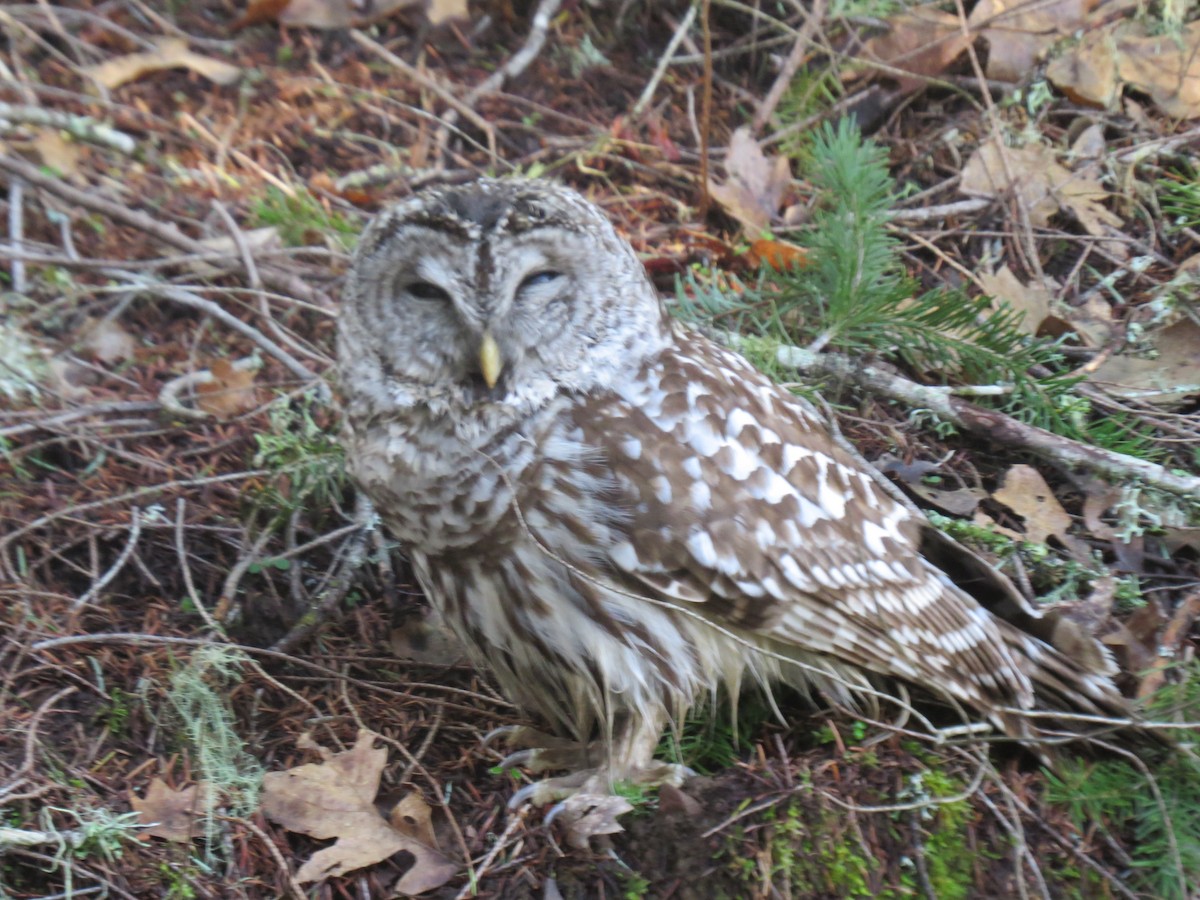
743, 507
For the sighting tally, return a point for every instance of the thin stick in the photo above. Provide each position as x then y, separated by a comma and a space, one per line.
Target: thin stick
135, 530
276, 278
84, 128
663, 61
426, 82
16, 231
999, 427
706, 98
767, 108
519, 61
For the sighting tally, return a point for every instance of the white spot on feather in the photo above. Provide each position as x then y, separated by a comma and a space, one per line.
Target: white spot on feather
873, 536
695, 390
832, 500
742, 465
700, 545
764, 534
792, 454
661, 485
624, 556
791, 571
736, 421
776, 488
701, 437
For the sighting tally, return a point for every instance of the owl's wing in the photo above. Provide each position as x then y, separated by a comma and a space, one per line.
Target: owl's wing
741, 505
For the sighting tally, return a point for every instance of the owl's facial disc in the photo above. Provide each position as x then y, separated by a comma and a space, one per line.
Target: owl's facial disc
497, 292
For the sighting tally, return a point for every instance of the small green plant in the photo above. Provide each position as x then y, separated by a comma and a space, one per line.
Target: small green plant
634, 885
307, 462
710, 736
276, 563
640, 797
1054, 575
854, 297
301, 219
114, 715
1151, 801
177, 882
583, 56
1179, 197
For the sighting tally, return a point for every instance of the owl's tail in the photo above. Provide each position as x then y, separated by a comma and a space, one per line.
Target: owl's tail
1075, 697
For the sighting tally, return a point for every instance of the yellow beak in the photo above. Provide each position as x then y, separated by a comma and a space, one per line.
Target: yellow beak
490, 364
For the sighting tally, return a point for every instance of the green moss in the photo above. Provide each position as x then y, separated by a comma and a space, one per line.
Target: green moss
948, 854
302, 219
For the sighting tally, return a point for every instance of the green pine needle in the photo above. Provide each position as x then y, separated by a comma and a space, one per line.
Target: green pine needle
856, 298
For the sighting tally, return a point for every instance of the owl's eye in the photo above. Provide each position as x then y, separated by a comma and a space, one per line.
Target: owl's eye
424, 290
539, 278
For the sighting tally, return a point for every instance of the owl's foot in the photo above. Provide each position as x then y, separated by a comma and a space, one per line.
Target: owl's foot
537, 751
596, 783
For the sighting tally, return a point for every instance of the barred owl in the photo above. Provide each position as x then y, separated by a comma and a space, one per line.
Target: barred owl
618, 515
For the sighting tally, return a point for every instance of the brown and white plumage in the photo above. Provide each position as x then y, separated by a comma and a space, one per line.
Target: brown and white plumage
616, 514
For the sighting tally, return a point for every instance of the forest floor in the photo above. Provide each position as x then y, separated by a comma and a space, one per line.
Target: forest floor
189, 602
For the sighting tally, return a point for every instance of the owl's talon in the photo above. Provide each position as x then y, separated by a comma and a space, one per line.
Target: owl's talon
547, 790
504, 731
518, 760
596, 781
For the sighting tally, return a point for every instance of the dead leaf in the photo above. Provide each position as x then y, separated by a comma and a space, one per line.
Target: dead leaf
958, 501
1075, 625
107, 342
671, 800
59, 153
1173, 636
1019, 32
779, 255
1098, 499
923, 41
171, 814
414, 817
331, 14
1041, 183
1031, 301
228, 392
1125, 54
440, 11
587, 814
1091, 143
985, 521
335, 800
1092, 320
754, 186
1164, 375
169, 53
1026, 493
1043, 313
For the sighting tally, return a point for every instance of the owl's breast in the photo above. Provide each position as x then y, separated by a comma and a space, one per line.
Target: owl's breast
444, 482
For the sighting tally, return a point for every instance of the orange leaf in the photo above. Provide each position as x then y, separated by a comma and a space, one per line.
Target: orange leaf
779, 255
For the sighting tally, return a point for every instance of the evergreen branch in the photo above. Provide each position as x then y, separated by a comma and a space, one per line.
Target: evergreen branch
996, 426
855, 298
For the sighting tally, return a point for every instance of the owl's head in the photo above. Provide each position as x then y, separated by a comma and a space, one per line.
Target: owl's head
500, 291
